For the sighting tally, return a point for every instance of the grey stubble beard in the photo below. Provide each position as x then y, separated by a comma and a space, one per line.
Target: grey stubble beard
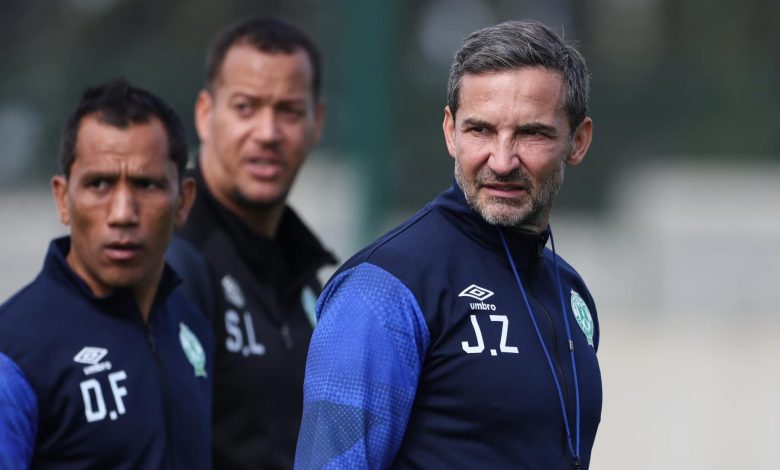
507, 212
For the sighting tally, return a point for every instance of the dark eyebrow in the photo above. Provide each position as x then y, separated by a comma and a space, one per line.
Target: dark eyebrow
292, 102
472, 122
99, 175
159, 180
239, 95
539, 127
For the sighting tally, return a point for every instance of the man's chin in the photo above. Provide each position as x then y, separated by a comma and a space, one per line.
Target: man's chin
260, 200
505, 215
123, 281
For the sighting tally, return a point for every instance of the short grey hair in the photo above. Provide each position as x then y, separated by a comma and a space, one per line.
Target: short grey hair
517, 44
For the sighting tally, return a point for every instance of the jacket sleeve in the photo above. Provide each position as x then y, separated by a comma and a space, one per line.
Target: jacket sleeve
18, 417
362, 371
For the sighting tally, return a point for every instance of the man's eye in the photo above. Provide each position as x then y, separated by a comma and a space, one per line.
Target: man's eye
534, 133
147, 184
99, 184
243, 108
479, 130
291, 113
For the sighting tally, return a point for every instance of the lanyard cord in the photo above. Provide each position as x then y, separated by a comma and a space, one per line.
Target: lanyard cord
575, 450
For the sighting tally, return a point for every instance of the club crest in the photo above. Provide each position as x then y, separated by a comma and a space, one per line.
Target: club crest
193, 350
309, 303
582, 315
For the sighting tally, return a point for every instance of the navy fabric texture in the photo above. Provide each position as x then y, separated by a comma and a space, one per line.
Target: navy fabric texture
111, 391
439, 288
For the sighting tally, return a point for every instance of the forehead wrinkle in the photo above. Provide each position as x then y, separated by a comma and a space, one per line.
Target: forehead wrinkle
111, 150
504, 99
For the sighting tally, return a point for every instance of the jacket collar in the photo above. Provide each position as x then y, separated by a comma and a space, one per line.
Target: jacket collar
526, 248
120, 301
287, 260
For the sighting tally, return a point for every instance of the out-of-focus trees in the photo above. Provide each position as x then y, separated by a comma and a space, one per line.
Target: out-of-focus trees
695, 78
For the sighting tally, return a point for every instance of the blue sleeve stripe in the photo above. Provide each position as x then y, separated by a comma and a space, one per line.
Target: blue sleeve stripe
362, 371
18, 417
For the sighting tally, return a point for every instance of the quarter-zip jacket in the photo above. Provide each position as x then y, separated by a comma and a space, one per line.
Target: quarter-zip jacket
425, 355
85, 383
260, 295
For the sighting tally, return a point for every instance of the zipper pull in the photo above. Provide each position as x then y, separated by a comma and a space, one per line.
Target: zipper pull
571, 345
151, 340
286, 338
576, 463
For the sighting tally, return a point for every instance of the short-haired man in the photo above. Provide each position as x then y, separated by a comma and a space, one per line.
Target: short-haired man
103, 364
258, 117
458, 340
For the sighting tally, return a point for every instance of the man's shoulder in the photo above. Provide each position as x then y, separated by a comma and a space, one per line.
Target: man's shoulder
34, 318
201, 221
195, 273
41, 297
417, 252
413, 240
566, 269
189, 312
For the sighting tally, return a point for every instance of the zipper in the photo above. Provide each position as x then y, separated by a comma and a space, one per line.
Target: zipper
287, 337
558, 368
152, 342
556, 351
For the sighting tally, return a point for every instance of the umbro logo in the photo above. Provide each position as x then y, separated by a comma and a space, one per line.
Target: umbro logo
90, 355
476, 292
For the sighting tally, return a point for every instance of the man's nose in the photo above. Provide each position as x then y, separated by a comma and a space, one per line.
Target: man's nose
266, 126
505, 157
123, 210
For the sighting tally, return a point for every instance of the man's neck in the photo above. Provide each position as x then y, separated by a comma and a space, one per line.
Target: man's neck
144, 297
526, 229
260, 220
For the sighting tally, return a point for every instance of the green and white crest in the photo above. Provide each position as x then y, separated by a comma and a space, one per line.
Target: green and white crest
193, 350
582, 315
309, 302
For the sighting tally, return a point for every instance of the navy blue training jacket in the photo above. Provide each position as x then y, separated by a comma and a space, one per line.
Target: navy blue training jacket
84, 383
425, 355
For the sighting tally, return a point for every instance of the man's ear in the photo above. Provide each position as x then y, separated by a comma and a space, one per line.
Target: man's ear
203, 107
59, 189
448, 126
185, 200
580, 142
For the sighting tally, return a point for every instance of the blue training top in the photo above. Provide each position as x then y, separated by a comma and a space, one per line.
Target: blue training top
425, 355
84, 383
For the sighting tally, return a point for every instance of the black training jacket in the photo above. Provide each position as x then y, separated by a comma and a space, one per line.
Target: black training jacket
260, 295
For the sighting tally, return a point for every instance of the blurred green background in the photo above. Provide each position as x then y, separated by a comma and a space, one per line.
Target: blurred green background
673, 219
696, 78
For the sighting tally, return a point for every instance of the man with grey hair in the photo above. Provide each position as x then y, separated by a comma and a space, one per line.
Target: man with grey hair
459, 340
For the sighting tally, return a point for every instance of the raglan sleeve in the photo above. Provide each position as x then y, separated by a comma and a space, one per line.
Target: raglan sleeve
362, 371
18, 417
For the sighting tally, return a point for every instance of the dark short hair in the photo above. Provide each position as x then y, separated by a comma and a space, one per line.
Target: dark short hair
266, 34
517, 44
120, 104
